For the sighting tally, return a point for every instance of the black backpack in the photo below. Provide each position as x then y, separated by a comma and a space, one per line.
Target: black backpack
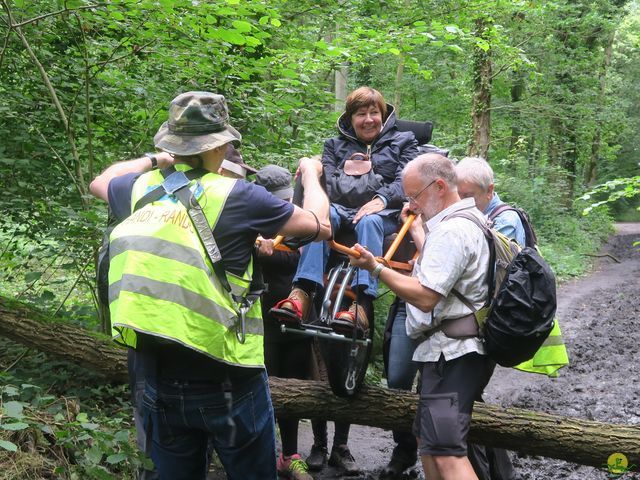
519, 312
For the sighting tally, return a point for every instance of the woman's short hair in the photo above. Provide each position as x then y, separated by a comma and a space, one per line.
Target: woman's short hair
365, 97
475, 170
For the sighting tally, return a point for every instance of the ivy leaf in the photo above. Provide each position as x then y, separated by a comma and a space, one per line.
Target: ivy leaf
10, 390
12, 447
13, 409
32, 277
482, 44
15, 426
94, 455
116, 458
275, 22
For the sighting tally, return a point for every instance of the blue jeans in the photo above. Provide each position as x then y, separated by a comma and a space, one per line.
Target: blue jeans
370, 232
182, 417
401, 371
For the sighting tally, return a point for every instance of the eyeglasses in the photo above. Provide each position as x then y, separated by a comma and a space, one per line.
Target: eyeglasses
414, 198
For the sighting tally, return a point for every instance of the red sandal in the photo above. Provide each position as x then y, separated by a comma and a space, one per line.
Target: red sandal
346, 319
293, 309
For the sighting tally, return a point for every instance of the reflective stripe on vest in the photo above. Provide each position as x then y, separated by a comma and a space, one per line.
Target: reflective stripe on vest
161, 281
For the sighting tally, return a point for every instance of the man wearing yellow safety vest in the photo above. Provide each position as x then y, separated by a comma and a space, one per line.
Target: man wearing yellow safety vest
182, 292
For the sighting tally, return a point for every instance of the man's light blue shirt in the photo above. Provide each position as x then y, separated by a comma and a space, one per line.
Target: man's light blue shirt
508, 222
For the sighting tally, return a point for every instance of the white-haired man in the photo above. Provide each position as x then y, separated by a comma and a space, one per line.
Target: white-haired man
454, 255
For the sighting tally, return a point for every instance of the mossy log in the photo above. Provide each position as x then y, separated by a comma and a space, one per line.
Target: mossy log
576, 440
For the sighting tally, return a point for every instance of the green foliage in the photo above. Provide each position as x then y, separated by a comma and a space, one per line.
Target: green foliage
564, 235
612, 191
560, 106
54, 420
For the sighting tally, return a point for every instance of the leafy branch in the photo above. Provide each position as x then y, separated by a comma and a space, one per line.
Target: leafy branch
59, 12
79, 179
616, 189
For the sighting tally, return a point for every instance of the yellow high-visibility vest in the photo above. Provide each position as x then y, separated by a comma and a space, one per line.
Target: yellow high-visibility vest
550, 357
162, 283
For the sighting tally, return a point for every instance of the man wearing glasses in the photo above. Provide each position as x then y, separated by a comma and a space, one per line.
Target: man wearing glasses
454, 367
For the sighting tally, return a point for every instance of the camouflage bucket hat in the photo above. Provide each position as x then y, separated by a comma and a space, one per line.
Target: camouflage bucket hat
198, 122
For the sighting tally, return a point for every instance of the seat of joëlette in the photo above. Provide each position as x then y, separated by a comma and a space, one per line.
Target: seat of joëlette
406, 250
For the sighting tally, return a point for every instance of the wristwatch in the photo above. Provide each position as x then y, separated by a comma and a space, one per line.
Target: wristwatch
375, 273
154, 160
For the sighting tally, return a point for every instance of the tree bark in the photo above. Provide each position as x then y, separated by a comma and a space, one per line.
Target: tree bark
572, 439
92, 350
340, 84
481, 109
590, 174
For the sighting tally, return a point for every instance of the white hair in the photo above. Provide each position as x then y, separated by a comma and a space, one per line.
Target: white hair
430, 166
475, 170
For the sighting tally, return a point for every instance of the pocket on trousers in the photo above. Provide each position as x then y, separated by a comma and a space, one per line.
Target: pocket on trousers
440, 426
154, 419
231, 428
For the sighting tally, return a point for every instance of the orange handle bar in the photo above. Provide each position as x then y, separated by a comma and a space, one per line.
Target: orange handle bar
338, 247
277, 244
396, 242
392, 249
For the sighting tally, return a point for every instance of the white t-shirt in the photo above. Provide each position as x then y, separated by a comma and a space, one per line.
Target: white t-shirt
455, 254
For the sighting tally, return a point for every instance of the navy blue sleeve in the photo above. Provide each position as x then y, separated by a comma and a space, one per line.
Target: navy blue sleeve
248, 212
119, 195
264, 214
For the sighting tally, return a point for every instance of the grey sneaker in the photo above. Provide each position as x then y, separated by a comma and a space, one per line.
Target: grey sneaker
341, 457
317, 458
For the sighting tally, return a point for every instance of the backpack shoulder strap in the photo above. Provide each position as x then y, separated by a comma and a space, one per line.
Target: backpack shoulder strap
531, 239
176, 183
159, 192
492, 253
502, 207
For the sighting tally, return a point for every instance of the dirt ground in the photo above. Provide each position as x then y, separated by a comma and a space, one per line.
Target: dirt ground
598, 315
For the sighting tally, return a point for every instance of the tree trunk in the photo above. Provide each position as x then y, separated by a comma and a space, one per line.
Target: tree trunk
517, 91
397, 99
481, 109
92, 350
572, 439
576, 440
341, 87
590, 174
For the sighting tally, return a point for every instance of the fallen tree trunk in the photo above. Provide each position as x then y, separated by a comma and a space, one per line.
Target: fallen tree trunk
572, 439
575, 440
56, 337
